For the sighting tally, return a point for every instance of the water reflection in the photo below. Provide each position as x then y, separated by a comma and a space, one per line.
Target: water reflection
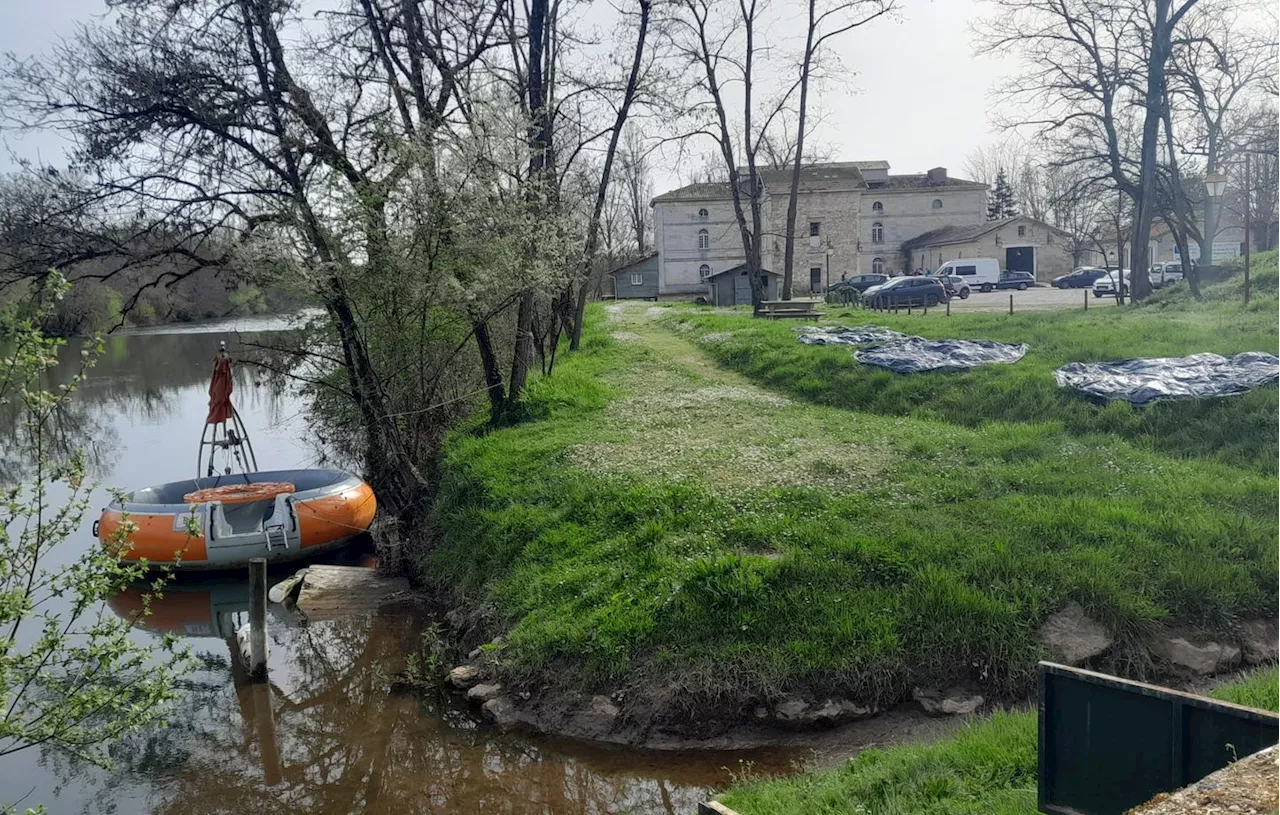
331, 733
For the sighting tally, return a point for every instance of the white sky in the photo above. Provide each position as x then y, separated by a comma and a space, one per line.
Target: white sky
916, 95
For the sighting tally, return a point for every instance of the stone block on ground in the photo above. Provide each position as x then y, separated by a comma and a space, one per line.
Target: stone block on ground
333, 592
1073, 635
948, 702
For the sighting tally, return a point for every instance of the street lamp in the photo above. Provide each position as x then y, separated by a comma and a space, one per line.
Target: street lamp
1215, 184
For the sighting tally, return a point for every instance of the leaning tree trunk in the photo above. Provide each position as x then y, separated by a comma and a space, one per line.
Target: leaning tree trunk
789, 259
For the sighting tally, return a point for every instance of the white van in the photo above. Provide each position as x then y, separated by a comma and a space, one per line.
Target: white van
981, 274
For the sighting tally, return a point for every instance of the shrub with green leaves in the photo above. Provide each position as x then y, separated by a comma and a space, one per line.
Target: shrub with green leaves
71, 676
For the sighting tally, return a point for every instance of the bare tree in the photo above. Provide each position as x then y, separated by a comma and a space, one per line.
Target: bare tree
1097, 75
826, 20
637, 185
718, 38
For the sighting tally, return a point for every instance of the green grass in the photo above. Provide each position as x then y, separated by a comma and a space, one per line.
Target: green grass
988, 767
1237, 430
665, 526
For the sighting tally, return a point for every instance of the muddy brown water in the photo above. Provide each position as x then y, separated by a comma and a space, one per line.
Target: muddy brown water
329, 733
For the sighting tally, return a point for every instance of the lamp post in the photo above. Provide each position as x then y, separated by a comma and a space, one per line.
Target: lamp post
1215, 184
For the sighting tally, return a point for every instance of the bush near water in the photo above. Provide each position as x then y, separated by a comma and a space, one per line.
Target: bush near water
706, 514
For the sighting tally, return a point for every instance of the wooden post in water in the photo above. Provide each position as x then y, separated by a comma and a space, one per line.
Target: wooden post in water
265, 718
258, 619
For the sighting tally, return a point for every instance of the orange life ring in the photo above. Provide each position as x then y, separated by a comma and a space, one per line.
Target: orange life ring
239, 493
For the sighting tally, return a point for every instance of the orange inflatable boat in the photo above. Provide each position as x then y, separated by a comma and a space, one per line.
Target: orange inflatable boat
221, 521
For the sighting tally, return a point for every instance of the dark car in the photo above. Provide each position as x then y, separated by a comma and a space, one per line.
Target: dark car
1016, 280
954, 286
909, 291
860, 282
1082, 278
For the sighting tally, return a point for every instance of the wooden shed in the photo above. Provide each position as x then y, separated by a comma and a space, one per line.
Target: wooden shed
731, 287
637, 280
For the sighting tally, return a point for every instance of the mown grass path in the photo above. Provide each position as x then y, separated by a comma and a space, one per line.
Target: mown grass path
663, 527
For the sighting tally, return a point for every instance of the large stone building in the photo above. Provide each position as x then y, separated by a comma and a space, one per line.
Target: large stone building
853, 218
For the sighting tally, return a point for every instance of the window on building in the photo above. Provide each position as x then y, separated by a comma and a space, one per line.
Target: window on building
702, 213
704, 239
637, 279
704, 271
877, 265
877, 207
815, 279
937, 203
877, 232
1022, 232
764, 281
815, 229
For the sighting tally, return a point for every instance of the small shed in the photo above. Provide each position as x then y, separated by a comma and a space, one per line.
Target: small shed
638, 280
731, 287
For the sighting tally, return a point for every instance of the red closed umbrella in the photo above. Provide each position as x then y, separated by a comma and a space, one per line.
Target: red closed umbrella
220, 390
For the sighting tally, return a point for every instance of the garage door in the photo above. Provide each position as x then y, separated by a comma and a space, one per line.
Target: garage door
1020, 259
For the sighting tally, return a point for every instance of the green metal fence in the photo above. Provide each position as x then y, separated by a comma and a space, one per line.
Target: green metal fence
1108, 744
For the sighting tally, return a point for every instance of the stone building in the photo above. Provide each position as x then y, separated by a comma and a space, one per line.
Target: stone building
853, 218
1020, 244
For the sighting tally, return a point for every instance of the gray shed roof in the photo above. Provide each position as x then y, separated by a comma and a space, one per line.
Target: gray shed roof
637, 262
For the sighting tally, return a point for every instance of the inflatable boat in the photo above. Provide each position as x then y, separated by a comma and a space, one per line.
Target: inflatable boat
221, 521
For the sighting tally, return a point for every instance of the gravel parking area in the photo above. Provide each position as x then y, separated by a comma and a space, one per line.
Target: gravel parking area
1041, 298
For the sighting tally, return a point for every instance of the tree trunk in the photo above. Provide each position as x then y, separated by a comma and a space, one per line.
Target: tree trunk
539, 137
789, 259
602, 190
492, 376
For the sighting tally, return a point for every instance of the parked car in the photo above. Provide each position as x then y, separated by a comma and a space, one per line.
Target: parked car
1105, 286
861, 282
1165, 274
954, 286
907, 291
1016, 280
980, 273
1082, 278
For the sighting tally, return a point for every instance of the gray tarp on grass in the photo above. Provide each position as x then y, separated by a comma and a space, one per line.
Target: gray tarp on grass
844, 335
916, 354
1143, 381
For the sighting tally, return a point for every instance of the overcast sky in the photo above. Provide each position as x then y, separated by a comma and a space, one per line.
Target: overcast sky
916, 96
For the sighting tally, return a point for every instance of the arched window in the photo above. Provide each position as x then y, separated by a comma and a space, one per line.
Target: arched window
704, 240
877, 266
937, 203
704, 271
702, 213
877, 207
1022, 232
877, 232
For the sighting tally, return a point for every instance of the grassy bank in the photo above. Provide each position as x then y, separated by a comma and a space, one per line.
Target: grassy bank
989, 767
664, 526
1239, 430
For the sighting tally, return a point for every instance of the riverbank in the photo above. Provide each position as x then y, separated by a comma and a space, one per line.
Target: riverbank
666, 550
987, 767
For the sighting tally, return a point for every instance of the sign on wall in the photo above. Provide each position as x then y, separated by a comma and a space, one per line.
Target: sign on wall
1222, 250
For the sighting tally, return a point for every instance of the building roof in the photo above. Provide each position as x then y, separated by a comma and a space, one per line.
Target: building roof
920, 181
969, 232
637, 262
736, 269
825, 177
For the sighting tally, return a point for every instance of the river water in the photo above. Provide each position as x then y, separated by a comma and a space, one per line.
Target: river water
328, 733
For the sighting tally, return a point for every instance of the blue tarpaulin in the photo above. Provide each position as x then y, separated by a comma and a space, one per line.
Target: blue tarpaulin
1143, 381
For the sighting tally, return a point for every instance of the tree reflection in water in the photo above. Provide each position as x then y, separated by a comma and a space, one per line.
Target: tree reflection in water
348, 743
